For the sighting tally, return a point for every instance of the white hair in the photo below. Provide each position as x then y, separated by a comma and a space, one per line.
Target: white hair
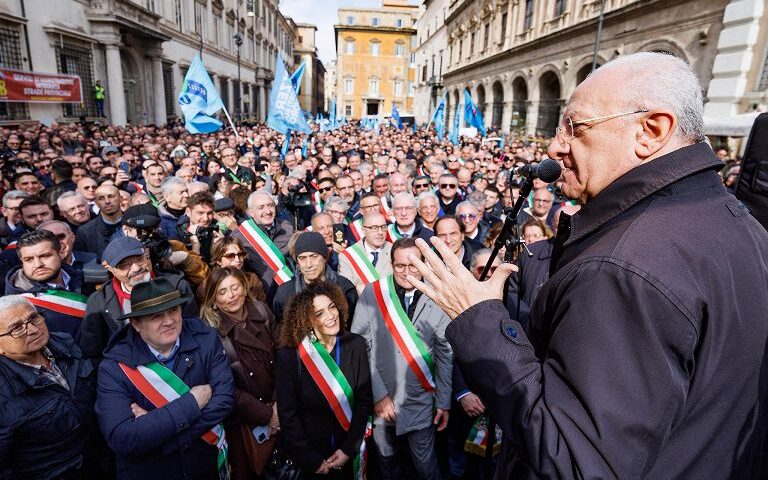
11, 301
14, 195
336, 200
67, 195
252, 197
169, 183
404, 197
425, 195
652, 80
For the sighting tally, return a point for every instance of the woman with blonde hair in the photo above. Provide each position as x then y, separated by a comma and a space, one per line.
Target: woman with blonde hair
324, 392
246, 328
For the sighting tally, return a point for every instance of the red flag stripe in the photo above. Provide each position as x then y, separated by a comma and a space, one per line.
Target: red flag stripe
324, 388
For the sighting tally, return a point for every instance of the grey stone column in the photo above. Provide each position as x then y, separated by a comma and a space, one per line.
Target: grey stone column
159, 89
115, 91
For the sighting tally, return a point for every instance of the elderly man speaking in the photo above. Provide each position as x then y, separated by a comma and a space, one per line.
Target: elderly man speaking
164, 387
646, 351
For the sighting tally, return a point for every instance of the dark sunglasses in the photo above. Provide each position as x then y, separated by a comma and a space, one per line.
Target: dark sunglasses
447, 185
420, 185
325, 189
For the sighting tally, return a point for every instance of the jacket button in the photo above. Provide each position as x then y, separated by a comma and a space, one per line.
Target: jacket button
512, 332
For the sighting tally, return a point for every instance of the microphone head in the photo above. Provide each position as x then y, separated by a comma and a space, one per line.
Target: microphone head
548, 170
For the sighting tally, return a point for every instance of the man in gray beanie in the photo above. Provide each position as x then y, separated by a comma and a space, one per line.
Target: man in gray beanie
311, 255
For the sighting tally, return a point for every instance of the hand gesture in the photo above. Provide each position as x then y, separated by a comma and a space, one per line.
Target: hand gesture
324, 468
385, 409
449, 284
337, 460
137, 411
202, 394
441, 419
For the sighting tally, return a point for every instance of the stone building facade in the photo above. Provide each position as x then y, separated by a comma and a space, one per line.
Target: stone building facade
431, 56
312, 91
141, 50
374, 59
521, 59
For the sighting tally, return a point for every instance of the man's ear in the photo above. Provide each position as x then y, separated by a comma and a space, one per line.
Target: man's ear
658, 128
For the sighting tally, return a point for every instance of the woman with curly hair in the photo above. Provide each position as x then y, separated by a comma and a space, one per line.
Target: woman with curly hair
324, 397
247, 330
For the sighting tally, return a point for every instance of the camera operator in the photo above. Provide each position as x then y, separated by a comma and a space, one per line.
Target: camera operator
294, 202
129, 262
197, 229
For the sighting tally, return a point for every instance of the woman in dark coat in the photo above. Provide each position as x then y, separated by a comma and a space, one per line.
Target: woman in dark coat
323, 441
245, 326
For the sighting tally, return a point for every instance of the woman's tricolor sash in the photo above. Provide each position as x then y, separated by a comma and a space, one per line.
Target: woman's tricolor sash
161, 386
335, 388
407, 339
361, 264
267, 250
59, 301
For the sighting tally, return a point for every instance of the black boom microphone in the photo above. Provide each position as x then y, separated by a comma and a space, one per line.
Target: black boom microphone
548, 170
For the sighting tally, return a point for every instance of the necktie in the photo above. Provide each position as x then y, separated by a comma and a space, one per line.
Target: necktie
375, 258
408, 299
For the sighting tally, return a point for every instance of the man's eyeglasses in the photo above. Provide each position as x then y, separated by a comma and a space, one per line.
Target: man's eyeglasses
368, 207
20, 329
420, 185
232, 256
467, 216
376, 228
401, 267
447, 185
566, 131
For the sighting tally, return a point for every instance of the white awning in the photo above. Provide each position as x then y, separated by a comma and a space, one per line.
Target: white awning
736, 126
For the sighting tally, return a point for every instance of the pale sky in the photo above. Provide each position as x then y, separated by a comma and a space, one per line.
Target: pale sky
324, 14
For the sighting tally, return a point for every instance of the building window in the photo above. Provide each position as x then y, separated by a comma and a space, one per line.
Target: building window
411, 89
424, 73
350, 20
347, 110
486, 35
170, 92
559, 7
399, 49
472, 44
373, 87
528, 19
11, 57
461, 48
199, 19
399, 23
503, 27
74, 59
216, 29
177, 12
349, 86
375, 48
350, 47
413, 57
375, 21
224, 90
397, 88
151, 6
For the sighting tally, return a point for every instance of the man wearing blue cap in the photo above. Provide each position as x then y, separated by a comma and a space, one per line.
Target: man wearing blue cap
128, 261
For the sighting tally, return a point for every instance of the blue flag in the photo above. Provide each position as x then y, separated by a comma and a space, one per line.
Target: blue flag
438, 118
396, 117
286, 144
501, 143
304, 147
284, 110
296, 78
455, 132
199, 100
332, 123
472, 115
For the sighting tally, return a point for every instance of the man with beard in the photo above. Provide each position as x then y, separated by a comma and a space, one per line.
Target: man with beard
51, 285
129, 263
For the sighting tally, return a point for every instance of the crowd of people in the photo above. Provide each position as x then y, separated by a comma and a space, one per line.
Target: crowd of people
197, 306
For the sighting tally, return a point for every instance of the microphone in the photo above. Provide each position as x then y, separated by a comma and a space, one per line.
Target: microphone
547, 170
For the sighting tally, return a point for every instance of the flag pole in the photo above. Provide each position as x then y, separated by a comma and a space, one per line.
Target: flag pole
237, 135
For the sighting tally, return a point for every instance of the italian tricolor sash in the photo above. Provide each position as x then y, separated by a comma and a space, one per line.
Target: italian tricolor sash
11, 246
361, 264
407, 339
386, 210
59, 301
392, 234
477, 440
335, 388
357, 229
267, 250
317, 201
161, 386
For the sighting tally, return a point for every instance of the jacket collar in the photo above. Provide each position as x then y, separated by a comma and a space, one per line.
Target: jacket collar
248, 335
638, 184
26, 378
128, 347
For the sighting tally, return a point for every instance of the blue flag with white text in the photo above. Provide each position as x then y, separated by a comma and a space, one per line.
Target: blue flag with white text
284, 110
286, 144
455, 132
472, 114
438, 118
199, 100
304, 147
296, 78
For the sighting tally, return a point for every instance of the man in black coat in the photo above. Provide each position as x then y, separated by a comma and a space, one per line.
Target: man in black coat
311, 255
752, 188
646, 351
95, 235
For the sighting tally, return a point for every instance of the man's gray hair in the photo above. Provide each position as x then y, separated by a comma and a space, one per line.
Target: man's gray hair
404, 197
171, 182
252, 197
48, 223
336, 201
14, 195
425, 195
67, 195
654, 80
11, 301
477, 254
467, 203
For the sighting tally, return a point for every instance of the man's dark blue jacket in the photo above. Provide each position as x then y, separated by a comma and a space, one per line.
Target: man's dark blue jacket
164, 443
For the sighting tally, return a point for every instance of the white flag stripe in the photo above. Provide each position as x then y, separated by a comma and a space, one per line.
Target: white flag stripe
160, 385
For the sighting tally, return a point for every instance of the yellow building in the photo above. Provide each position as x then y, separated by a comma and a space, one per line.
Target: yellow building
375, 62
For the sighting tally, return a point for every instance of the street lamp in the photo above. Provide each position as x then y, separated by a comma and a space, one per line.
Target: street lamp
239, 42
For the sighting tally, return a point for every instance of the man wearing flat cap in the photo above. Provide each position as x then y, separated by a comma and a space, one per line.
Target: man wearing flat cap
164, 387
128, 261
311, 254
